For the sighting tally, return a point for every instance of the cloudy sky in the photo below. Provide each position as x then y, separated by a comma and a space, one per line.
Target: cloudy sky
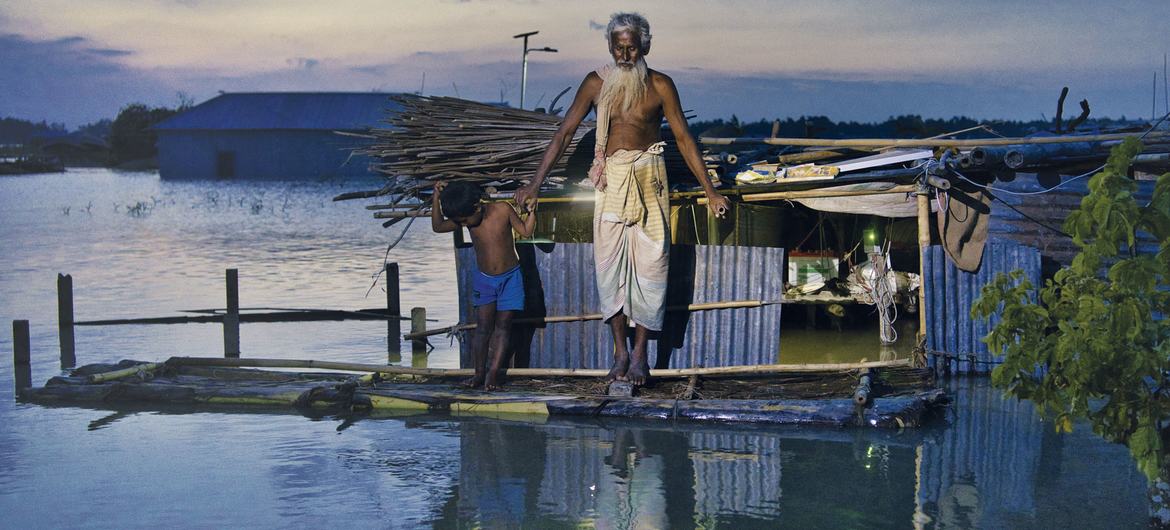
79, 61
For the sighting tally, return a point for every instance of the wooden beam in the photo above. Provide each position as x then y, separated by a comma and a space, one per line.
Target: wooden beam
813, 194
759, 369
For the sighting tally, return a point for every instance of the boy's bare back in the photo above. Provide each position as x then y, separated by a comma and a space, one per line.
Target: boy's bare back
495, 249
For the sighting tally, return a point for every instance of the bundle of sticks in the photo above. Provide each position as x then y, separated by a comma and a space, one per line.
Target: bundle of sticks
444, 138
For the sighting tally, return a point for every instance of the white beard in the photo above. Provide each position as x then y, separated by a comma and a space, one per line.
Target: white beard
624, 87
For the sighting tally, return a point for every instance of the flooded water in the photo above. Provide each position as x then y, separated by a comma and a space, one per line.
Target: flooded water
137, 246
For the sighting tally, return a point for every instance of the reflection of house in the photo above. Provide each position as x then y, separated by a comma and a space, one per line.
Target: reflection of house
270, 135
74, 150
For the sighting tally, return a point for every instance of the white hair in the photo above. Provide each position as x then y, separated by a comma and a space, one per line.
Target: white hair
624, 87
629, 22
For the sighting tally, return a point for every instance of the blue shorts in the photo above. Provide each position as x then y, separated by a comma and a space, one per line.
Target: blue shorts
505, 290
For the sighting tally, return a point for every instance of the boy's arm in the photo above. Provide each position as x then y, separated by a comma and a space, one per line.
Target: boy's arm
438, 222
527, 226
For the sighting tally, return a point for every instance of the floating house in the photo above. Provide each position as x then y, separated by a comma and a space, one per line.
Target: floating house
904, 232
271, 135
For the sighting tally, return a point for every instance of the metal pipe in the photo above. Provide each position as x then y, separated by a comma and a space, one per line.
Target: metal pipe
524, 61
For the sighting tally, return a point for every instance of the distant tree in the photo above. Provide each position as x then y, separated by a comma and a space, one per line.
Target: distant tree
130, 134
1093, 342
18, 131
909, 126
97, 129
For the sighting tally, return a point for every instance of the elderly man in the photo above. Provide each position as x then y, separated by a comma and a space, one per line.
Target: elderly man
631, 229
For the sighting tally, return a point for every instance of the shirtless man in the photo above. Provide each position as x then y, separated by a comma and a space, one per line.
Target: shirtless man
631, 213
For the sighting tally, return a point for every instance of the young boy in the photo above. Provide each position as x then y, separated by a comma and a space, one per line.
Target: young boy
497, 287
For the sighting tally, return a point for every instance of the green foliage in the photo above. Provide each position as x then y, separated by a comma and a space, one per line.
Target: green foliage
1086, 344
130, 134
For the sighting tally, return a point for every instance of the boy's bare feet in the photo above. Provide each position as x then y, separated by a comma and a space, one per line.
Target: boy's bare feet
474, 381
621, 363
492, 381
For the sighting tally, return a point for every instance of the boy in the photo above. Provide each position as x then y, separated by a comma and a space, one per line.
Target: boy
497, 287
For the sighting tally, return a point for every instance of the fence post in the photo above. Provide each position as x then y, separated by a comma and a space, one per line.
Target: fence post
393, 315
418, 324
21, 365
65, 320
231, 318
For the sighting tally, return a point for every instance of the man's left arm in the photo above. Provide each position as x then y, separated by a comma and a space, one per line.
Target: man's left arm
672, 109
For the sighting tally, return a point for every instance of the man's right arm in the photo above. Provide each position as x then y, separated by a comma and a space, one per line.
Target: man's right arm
582, 103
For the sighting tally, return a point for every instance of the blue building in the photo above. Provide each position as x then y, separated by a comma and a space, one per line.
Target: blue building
271, 135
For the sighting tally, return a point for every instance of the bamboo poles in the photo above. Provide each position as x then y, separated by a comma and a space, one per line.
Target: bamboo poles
708, 306
141, 369
674, 373
923, 202
810, 194
929, 142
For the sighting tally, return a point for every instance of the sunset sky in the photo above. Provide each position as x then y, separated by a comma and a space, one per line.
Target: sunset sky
77, 62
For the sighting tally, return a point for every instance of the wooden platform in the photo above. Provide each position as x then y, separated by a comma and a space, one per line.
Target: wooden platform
901, 396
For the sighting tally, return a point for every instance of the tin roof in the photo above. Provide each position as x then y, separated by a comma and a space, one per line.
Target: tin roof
284, 110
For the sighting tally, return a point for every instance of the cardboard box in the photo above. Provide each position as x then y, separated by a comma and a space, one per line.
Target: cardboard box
811, 269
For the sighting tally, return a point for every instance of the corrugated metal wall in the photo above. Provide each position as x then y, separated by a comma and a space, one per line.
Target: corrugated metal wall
953, 336
559, 280
1051, 208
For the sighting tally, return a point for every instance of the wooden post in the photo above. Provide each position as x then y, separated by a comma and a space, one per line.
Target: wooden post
21, 355
65, 320
457, 237
393, 315
231, 318
923, 245
418, 324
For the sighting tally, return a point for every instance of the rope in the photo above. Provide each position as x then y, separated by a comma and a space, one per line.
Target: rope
386, 257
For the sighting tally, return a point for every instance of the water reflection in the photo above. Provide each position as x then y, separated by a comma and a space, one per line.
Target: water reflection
660, 475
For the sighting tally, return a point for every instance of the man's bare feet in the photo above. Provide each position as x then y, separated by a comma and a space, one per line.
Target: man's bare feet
474, 381
639, 372
621, 363
492, 381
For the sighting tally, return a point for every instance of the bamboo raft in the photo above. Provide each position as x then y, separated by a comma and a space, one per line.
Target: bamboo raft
887, 394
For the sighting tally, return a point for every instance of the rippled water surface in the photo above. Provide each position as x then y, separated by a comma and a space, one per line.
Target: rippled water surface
137, 246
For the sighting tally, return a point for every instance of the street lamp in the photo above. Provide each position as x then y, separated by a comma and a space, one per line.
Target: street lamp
524, 62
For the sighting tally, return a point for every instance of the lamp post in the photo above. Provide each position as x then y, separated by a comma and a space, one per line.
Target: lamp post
524, 62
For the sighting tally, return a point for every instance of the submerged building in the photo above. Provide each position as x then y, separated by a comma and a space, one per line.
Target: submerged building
271, 135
